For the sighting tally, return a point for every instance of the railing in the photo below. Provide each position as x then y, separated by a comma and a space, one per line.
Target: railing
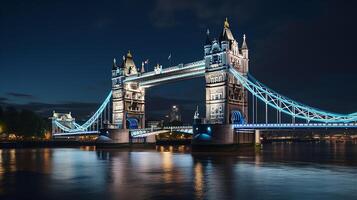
296, 126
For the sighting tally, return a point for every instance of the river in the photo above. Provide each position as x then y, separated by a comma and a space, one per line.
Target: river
276, 171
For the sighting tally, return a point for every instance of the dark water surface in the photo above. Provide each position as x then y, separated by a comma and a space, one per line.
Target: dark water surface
277, 171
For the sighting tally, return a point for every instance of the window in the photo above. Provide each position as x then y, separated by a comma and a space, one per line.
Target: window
215, 59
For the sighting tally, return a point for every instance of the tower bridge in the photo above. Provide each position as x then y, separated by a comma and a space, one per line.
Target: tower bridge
231, 98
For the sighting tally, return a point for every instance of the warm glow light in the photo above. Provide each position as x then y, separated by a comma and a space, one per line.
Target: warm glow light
12, 136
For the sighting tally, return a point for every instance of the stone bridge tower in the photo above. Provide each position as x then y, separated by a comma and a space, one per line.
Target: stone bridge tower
128, 107
226, 98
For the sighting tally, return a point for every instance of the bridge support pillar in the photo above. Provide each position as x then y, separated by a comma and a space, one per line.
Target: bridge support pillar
113, 136
212, 134
151, 139
257, 137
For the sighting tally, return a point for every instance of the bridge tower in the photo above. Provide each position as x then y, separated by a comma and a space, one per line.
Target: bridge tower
128, 98
226, 98
65, 119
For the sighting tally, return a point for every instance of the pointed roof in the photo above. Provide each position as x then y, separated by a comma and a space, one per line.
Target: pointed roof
129, 65
244, 45
142, 67
226, 34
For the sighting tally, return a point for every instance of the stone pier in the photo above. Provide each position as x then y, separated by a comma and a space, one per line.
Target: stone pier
257, 137
113, 136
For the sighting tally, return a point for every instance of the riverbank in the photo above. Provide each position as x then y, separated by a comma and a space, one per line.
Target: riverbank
73, 144
44, 144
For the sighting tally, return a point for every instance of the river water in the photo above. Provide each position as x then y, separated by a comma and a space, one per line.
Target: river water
276, 171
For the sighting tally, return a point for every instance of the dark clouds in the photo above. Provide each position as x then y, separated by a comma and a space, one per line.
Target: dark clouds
20, 95
3, 99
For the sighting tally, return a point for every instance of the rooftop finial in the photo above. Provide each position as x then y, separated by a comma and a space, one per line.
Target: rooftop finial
244, 45
197, 115
114, 64
226, 23
142, 67
129, 54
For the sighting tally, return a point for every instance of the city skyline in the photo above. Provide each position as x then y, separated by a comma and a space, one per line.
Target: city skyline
67, 64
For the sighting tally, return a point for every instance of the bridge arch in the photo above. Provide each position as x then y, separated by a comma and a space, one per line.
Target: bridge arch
132, 123
237, 117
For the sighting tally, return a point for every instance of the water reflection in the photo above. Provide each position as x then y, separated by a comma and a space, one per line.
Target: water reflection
198, 181
171, 172
176, 148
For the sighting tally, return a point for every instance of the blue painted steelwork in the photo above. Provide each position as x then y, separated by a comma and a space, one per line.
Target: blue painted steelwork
77, 133
288, 106
90, 121
133, 123
297, 126
237, 117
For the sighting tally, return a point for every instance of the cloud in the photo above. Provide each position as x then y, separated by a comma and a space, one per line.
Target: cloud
167, 13
20, 95
3, 99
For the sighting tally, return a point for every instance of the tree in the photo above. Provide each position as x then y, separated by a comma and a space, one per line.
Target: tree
24, 123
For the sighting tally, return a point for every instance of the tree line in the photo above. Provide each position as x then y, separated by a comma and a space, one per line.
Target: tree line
23, 122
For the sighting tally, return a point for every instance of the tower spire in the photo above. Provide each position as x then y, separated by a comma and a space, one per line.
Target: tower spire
226, 23
129, 54
115, 64
244, 45
142, 67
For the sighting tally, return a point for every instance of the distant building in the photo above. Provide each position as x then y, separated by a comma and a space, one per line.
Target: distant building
174, 114
65, 119
153, 123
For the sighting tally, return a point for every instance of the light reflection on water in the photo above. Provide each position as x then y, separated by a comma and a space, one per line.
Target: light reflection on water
277, 171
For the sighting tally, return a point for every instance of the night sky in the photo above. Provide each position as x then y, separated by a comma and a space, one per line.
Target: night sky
58, 54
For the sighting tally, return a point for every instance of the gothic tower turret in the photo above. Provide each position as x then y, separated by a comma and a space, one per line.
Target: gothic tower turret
128, 97
245, 54
226, 98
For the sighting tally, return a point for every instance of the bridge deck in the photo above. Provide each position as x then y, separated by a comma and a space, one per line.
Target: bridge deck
296, 126
179, 72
